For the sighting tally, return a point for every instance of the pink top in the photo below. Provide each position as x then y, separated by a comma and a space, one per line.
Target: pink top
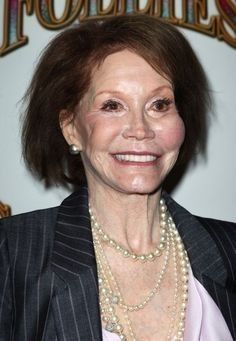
204, 321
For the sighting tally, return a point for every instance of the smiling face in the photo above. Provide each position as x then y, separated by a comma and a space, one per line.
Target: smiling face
127, 126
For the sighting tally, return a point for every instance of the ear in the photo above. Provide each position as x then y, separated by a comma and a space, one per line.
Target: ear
69, 129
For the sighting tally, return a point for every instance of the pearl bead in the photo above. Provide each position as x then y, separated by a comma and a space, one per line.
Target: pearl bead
163, 208
163, 240
163, 215
180, 247
184, 271
157, 252
163, 231
163, 223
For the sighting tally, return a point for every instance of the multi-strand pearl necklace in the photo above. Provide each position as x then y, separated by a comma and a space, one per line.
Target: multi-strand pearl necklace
110, 294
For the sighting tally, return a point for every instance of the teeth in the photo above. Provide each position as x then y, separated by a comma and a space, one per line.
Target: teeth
135, 158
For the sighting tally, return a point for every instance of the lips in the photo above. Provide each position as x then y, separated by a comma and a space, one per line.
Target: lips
135, 157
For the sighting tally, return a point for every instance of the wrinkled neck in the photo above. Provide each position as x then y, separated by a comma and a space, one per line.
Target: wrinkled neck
130, 219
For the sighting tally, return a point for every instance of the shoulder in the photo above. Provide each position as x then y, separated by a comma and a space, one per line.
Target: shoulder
219, 228
28, 234
25, 222
188, 223
224, 235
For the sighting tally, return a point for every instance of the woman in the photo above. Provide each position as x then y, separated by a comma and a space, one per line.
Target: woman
119, 259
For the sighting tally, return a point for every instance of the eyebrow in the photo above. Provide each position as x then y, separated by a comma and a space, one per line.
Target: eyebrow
114, 92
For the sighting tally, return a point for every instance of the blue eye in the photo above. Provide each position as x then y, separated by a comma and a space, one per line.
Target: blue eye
162, 104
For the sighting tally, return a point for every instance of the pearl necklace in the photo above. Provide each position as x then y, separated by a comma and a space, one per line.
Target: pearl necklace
106, 270
181, 264
110, 295
157, 252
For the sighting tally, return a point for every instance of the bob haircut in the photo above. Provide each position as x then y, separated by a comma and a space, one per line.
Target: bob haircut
63, 76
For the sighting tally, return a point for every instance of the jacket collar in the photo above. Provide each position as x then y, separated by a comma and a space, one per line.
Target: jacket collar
73, 251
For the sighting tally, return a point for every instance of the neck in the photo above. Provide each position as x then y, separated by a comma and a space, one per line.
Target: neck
130, 219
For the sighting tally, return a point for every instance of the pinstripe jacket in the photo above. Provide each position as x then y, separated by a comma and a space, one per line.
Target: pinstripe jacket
48, 278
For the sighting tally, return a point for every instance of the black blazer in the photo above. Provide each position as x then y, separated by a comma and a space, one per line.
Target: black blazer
48, 276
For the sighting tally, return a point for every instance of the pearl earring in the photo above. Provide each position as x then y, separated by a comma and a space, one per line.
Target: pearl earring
73, 149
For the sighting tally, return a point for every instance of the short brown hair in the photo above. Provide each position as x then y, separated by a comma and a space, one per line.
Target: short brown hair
63, 76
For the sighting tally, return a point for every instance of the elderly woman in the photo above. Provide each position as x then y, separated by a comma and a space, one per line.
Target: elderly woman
113, 106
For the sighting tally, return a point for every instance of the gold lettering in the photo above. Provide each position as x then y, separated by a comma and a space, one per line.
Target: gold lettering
166, 10
45, 13
13, 36
193, 13
149, 7
98, 10
115, 7
227, 17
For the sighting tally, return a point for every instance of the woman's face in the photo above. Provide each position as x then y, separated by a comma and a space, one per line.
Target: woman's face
127, 126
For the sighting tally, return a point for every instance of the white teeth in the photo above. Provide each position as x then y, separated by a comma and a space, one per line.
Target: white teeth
135, 158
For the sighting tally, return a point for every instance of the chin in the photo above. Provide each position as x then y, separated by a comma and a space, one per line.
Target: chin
142, 186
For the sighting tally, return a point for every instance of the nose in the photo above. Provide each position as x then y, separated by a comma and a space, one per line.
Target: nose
138, 128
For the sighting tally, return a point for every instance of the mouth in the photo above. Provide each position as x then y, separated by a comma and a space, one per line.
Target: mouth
136, 158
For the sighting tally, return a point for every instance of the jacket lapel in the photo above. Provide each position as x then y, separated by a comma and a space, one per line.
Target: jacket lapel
75, 304
204, 255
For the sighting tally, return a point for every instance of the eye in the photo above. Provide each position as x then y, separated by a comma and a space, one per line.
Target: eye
162, 104
111, 105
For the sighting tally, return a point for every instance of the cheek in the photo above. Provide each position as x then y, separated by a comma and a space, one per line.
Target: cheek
81, 131
100, 134
88, 132
173, 135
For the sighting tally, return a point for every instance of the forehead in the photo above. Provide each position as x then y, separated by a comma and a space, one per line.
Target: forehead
126, 66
